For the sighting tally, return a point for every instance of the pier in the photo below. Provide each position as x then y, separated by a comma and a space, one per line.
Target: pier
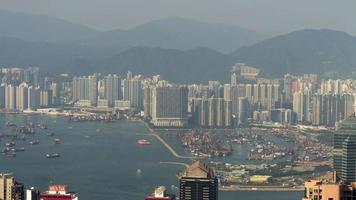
169, 147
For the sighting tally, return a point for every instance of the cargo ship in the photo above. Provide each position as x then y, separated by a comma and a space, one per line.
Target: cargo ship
143, 142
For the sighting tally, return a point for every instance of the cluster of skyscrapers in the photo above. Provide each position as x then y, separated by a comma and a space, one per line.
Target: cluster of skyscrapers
247, 98
21, 90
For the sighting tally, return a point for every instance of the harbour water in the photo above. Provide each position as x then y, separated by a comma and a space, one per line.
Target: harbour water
100, 160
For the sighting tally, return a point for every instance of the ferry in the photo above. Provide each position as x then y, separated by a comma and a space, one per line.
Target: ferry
143, 142
53, 155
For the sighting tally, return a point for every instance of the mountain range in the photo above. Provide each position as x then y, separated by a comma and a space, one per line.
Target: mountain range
181, 50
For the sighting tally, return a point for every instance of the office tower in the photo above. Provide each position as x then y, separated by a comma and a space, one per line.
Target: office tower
328, 191
58, 192
298, 105
10, 189
160, 193
31, 76
243, 111
112, 88
147, 102
10, 97
348, 161
22, 97
198, 182
32, 194
33, 98
2, 96
344, 130
169, 105
132, 90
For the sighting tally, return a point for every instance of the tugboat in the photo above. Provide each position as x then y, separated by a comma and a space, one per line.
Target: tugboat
143, 142
53, 155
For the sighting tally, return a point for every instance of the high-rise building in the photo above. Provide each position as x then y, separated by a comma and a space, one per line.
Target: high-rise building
132, 90
10, 97
85, 88
31, 76
2, 96
147, 102
348, 161
32, 194
22, 97
169, 105
344, 144
317, 190
10, 189
198, 182
243, 111
45, 98
112, 88
33, 98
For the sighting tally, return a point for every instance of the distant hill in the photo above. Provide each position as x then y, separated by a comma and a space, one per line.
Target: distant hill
180, 33
175, 65
304, 51
41, 28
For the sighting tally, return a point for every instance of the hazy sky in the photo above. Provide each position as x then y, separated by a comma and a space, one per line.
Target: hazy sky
267, 16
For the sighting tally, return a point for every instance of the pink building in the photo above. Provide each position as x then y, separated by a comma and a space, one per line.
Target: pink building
318, 190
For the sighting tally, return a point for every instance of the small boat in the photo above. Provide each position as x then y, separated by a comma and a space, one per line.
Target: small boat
9, 154
50, 134
57, 141
18, 149
11, 144
9, 124
143, 142
34, 142
53, 155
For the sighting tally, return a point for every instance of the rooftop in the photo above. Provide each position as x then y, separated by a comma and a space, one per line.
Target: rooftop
198, 170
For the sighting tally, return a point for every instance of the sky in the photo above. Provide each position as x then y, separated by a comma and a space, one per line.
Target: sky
265, 16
